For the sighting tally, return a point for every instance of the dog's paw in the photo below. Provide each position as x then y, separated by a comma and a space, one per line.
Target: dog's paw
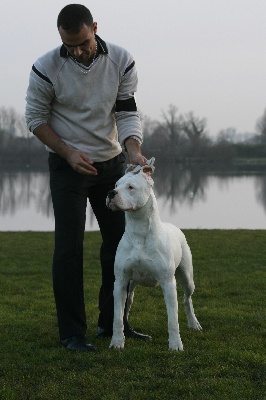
195, 325
117, 344
176, 348
176, 345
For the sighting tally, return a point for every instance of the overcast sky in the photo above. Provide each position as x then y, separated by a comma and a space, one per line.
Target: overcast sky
205, 56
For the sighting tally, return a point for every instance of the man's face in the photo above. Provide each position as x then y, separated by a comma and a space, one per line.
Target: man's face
80, 45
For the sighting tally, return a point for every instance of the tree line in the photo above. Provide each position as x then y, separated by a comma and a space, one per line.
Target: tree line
180, 138
184, 138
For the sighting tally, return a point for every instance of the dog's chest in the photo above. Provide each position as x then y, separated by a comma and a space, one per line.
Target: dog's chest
143, 271
145, 266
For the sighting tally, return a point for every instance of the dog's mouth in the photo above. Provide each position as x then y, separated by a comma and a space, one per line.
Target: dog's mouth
115, 205
109, 203
110, 196
112, 206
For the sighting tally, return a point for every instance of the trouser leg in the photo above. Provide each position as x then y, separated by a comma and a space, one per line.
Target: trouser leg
112, 227
70, 213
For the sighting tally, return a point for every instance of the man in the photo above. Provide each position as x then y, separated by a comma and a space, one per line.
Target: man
80, 104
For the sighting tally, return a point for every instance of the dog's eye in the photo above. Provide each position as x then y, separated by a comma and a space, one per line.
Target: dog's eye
130, 187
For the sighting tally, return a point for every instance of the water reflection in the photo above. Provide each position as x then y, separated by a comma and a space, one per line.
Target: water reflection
20, 189
179, 185
26, 195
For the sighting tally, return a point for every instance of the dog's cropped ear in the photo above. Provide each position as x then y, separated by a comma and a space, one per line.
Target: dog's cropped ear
148, 169
132, 168
146, 172
135, 169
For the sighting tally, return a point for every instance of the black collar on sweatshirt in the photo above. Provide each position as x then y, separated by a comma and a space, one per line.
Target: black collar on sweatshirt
102, 48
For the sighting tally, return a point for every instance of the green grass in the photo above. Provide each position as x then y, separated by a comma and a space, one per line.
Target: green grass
224, 361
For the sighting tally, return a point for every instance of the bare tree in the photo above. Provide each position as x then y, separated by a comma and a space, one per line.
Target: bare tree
18, 147
13, 123
193, 127
172, 123
22, 128
8, 119
148, 125
261, 126
172, 128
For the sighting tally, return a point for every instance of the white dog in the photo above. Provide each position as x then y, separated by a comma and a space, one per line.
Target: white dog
150, 252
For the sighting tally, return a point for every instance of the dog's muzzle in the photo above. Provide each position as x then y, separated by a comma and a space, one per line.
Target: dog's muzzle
110, 195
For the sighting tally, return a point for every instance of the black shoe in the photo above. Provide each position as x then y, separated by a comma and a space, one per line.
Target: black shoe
128, 332
104, 332
77, 343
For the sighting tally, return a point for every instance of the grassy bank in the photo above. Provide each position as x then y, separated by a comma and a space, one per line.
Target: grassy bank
224, 361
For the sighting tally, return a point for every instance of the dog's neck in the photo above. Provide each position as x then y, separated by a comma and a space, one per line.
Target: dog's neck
146, 217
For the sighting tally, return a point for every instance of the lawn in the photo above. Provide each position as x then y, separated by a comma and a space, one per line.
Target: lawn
224, 361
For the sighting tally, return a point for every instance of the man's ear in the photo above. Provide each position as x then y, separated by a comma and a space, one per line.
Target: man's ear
94, 27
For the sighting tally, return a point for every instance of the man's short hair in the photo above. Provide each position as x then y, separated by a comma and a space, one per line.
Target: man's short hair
73, 16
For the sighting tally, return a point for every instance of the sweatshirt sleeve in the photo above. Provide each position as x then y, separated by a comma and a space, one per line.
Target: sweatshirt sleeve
127, 116
40, 94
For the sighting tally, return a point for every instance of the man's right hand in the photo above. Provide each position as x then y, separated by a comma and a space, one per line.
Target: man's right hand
80, 162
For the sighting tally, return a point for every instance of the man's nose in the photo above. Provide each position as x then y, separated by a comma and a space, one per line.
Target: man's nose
77, 51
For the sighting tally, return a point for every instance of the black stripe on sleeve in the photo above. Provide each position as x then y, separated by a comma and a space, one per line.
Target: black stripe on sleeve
126, 105
129, 67
45, 78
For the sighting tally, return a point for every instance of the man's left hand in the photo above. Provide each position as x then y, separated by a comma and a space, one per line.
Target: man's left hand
134, 152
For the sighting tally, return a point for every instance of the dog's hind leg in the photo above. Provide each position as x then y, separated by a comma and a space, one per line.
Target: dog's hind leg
130, 297
184, 274
191, 317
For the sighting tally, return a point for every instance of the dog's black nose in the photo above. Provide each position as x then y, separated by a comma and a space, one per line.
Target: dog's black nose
112, 194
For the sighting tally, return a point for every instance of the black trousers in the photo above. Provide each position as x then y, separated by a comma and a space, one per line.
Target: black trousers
70, 191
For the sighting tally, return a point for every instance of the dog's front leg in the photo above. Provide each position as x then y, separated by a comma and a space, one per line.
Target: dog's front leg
170, 297
120, 294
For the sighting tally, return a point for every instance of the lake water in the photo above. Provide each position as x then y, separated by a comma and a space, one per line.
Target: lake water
190, 199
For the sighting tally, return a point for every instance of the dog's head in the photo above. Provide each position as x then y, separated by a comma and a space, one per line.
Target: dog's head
133, 189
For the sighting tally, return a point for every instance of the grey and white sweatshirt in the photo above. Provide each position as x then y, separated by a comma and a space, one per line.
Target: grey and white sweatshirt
92, 109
